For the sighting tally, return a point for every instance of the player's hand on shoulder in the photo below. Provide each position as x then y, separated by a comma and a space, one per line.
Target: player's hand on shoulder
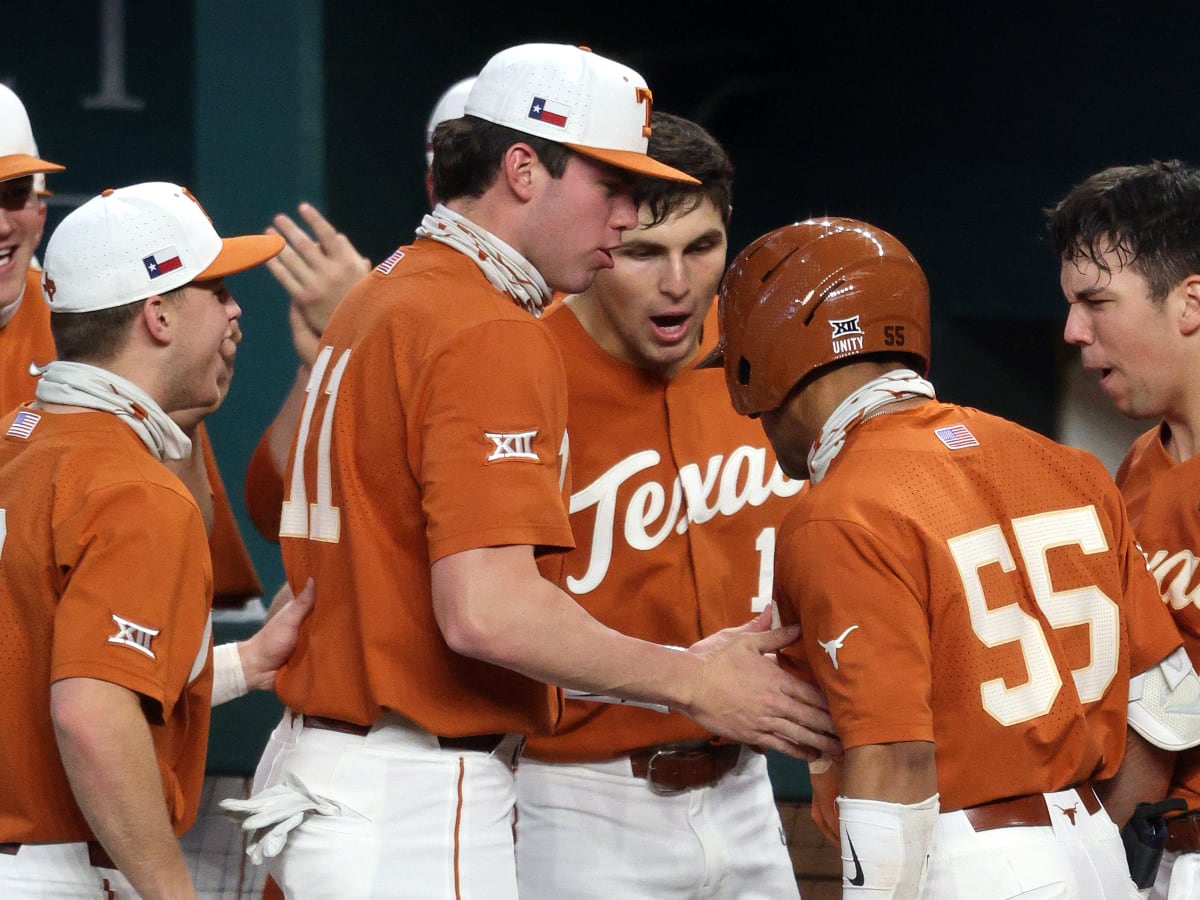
265, 652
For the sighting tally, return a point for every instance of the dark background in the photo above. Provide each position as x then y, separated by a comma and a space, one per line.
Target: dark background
952, 128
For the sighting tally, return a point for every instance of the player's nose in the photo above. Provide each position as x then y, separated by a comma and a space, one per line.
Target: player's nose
673, 281
1077, 330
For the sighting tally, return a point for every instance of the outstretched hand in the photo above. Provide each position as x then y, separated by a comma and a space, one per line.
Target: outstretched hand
317, 271
265, 652
745, 696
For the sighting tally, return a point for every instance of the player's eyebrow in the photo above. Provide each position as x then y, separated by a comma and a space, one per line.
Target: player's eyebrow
642, 244
713, 234
648, 243
1088, 293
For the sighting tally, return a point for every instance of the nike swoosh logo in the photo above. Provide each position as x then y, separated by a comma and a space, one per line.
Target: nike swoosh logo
859, 878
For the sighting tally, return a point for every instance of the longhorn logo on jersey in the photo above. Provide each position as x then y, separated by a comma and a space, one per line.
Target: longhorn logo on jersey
722, 485
834, 645
847, 335
131, 634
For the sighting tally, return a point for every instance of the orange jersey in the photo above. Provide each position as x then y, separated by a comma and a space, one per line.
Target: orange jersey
1162, 497
264, 481
234, 578
434, 424
24, 340
674, 511
264, 490
980, 589
103, 575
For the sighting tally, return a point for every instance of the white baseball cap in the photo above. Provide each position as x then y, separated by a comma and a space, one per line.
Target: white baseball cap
134, 242
18, 150
597, 107
449, 106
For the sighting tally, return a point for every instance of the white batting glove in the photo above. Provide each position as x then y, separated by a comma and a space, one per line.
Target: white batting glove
269, 815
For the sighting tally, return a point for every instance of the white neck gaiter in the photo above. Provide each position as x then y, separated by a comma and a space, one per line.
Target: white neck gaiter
900, 384
78, 384
505, 268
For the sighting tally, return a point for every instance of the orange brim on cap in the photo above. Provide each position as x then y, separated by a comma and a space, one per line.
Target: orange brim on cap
241, 253
631, 161
18, 165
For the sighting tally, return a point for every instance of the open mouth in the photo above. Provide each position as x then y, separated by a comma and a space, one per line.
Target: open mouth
670, 327
668, 321
6, 255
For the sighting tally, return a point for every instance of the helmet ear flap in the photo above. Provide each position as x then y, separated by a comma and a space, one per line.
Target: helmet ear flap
811, 294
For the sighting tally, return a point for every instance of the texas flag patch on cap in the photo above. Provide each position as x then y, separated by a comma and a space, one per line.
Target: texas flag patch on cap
956, 437
549, 112
162, 262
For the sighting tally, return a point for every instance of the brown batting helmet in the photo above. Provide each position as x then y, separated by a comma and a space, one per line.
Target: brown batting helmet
814, 293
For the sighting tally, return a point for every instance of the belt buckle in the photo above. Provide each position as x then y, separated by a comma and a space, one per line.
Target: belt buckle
654, 785
510, 748
669, 752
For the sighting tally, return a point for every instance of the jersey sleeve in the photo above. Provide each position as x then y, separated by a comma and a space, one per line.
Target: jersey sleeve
865, 634
493, 452
234, 578
264, 490
135, 605
1152, 631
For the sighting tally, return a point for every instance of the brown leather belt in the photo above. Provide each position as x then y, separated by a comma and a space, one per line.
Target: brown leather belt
97, 855
478, 743
1028, 810
1183, 834
673, 769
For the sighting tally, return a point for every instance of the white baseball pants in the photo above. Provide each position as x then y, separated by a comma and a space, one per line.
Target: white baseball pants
593, 830
412, 820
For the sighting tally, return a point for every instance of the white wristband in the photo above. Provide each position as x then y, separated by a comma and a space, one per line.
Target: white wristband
885, 846
229, 679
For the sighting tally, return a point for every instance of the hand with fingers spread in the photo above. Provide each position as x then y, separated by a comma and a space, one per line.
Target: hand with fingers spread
315, 270
745, 696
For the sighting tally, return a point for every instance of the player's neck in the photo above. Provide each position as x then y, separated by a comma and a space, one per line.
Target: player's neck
1179, 439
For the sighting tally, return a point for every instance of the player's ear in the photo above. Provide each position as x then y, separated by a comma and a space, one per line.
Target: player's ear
518, 168
1189, 319
159, 319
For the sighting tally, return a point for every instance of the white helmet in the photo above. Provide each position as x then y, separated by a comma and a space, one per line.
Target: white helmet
449, 106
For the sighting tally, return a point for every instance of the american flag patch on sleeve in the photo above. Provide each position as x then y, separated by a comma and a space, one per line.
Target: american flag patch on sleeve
22, 426
388, 264
956, 437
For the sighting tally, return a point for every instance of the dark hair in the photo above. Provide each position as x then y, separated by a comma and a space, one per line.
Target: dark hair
93, 337
684, 145
1148, 215
467, 152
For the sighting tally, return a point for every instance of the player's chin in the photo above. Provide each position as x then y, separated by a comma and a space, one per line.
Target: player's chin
575, 282
228, 351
